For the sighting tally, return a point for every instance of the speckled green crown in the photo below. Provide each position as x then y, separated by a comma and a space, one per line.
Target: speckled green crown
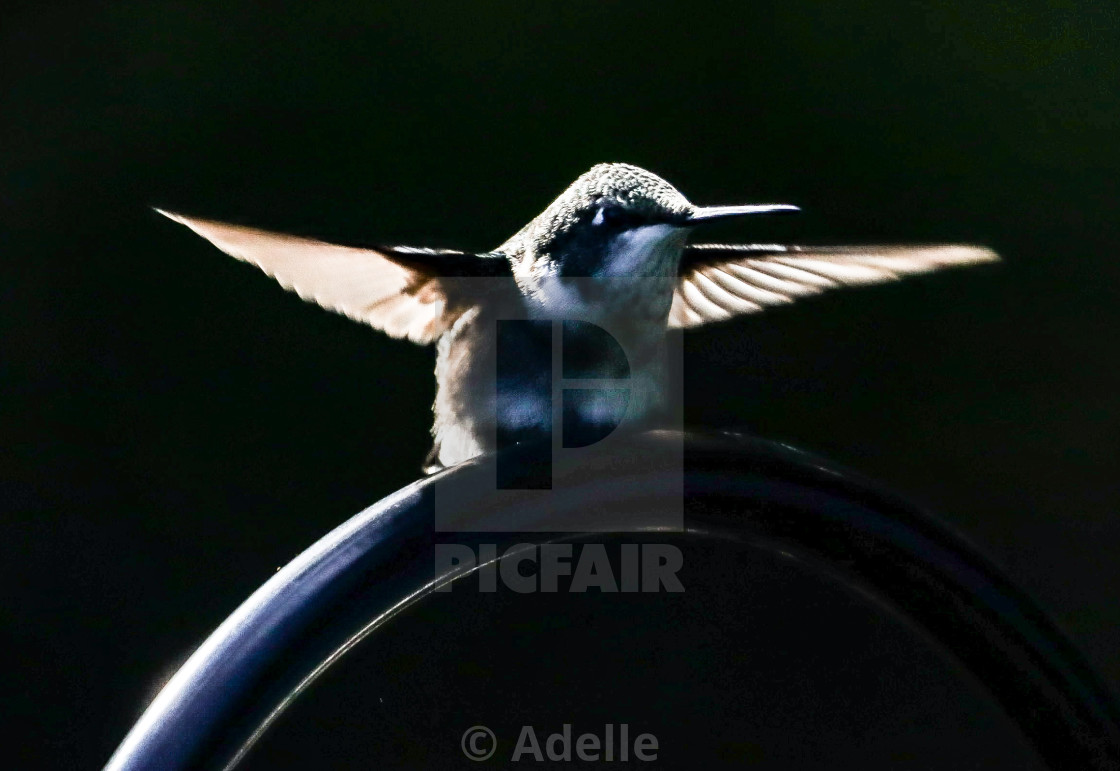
631, 186
638, 190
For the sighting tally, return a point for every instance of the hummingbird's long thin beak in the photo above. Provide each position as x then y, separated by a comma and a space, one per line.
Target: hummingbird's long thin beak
709, 213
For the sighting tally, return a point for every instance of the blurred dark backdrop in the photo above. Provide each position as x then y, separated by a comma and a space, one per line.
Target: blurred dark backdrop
174, 426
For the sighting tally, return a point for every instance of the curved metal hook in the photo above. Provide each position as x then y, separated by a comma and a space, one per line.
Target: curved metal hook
379, 562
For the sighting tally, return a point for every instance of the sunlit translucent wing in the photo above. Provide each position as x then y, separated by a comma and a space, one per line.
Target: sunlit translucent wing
719, 281
399, 290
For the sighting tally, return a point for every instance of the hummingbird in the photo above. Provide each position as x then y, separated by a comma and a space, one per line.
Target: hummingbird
613, 247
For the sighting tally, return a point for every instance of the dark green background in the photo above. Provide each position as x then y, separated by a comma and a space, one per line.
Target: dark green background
174, 426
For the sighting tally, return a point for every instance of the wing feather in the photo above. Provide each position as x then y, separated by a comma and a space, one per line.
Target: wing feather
402, 291
719, 281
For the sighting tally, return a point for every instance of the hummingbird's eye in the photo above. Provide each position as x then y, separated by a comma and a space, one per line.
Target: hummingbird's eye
608, 215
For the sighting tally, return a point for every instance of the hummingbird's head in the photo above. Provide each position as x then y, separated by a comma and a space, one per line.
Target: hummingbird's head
614, 220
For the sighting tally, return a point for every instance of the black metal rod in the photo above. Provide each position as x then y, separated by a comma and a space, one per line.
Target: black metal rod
374, 565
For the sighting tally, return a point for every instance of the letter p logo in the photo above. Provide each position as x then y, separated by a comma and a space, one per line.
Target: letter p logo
570, 391
593, 390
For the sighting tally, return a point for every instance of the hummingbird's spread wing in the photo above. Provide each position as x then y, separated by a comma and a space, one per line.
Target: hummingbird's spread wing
719, 281
399, 290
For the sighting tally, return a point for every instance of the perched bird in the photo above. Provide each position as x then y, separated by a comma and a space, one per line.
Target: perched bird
611, 249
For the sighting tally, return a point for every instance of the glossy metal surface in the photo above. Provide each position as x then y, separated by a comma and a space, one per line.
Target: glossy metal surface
380, 561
